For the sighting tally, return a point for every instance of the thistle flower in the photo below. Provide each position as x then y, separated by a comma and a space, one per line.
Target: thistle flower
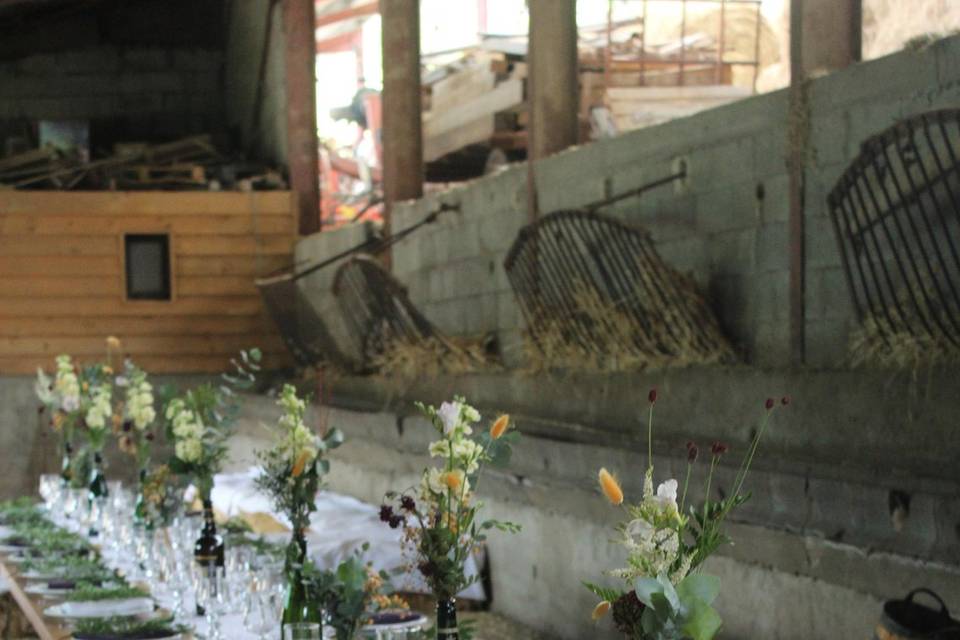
718, 448
610, 487
692, 451
769, 404
500, 426
652, 396
600, 610
785, 400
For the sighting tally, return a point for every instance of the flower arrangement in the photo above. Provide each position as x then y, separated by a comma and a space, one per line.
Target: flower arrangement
352, 593
443, 527
138, 414
199, 422
293, 468
667, 597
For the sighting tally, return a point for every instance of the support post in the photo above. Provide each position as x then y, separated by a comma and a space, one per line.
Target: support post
554, 89
402, 121
831, 34
302, 146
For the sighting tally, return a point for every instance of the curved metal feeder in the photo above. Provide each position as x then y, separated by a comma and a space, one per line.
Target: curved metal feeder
896, 215
641, 306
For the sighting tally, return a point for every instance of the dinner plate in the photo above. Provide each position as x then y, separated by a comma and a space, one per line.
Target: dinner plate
396, 621
44, 590
127, 607
175, 636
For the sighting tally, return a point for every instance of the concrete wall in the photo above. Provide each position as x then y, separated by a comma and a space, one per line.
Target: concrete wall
716, 225
800, 567
256, 105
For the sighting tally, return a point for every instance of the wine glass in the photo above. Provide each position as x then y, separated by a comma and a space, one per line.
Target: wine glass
210, 596
302, 631
262, 610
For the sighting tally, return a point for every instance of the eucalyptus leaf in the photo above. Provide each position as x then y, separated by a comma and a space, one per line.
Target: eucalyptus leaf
699, 586
645, 588
702, 622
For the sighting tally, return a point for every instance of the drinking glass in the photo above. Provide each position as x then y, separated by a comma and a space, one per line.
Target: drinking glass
262, 611
302, 631
210, 596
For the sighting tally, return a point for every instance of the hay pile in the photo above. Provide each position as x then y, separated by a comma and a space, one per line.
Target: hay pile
429, 358
634, 333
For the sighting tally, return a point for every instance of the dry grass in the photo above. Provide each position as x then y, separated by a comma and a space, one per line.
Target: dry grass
430, 358
629, 334
872, 346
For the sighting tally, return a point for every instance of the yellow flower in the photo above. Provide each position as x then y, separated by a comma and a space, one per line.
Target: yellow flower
57, 421
113, 342
600, 610
107, 369
452, 479
300, 464
610, 487
500, 426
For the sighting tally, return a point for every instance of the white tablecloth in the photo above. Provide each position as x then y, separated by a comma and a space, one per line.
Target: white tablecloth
340, 526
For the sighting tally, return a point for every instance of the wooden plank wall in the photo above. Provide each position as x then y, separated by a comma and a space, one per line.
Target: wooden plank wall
62, 283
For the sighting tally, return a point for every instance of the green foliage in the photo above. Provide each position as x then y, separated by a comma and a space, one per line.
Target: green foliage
69, 567
22, 511
86, 592
679, 613
603, 593
126, 628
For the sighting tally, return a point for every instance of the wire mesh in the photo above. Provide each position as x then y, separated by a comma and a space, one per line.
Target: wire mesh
896, 215
585, 279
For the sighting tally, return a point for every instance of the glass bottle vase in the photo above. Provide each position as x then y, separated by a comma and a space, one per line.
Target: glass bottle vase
447, 619
297, 605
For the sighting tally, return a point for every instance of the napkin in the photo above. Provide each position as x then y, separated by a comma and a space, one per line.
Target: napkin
106, 608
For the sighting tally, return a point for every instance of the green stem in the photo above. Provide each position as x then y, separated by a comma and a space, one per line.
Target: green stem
650, 438
686, 484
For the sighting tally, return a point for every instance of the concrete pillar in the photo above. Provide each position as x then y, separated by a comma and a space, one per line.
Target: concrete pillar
402, 124
302, 150
830, 34
553, 83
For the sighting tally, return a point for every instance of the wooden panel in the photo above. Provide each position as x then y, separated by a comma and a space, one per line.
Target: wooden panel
100, 307
59, 266
204, 246
62, 280
136, 346
166, 203
94, 225
228, 265
58, 246
122, 327
215, 286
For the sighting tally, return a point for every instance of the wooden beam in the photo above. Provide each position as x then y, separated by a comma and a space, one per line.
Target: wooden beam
360, 10
302, 146
554, 91
403, 169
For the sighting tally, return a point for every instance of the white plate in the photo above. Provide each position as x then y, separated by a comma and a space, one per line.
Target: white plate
127, 607
43, 589
416, 623
11, 548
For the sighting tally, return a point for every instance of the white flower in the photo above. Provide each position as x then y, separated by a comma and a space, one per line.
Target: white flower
42, 388
431, 482
70, 403
189, 450
449, 414
100, 408
440, 449
667, 494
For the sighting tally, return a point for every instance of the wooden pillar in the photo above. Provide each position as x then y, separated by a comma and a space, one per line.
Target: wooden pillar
553, 83
831, 34
402, 125
302, 146
796, 144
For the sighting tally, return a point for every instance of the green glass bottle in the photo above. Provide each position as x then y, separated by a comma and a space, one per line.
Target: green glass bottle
208, 550
96, 494
447, 619
66, 467
140, 516
297, 605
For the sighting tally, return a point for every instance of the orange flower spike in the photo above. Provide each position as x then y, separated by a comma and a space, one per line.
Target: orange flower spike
113, 342
610, 487
452, 480
600, 610
300, 464
500, 426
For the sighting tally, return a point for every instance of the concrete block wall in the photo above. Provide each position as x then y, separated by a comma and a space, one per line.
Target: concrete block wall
167, 91
726, 224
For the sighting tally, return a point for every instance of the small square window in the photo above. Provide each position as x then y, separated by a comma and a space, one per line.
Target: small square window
148, 266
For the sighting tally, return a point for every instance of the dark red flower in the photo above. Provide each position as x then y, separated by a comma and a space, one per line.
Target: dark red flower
718, 448
769, 404
386, 513
41, 409
426, 568
408, 503
396, 521
652, 396
127, 425
692, 451
149, 436
785, 400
